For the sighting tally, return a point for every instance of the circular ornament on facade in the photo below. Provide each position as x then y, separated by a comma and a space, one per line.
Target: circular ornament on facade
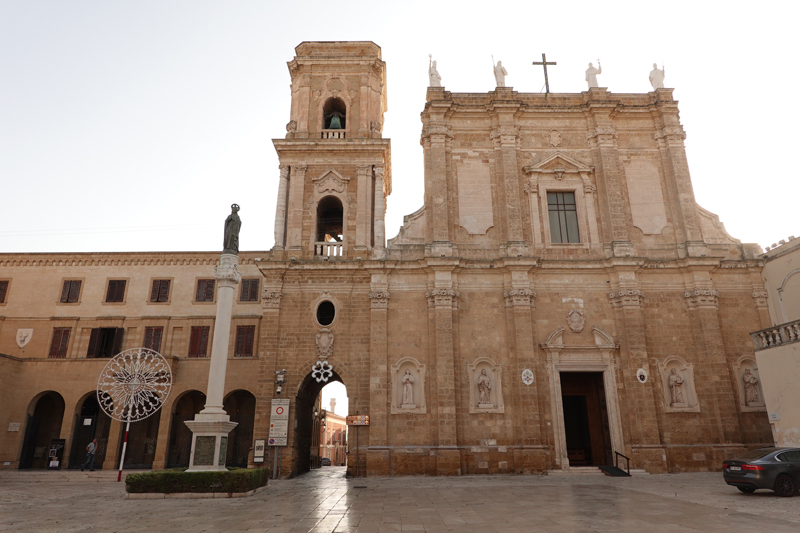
641, 375
322, 371
326, 312
527, 376
134, 384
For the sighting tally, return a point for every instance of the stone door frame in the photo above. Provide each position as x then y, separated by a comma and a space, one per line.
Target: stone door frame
597, 358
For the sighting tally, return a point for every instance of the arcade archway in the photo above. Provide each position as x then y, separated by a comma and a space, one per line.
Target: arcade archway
241, 406
90, 423
309, 424
180, 436
43, 426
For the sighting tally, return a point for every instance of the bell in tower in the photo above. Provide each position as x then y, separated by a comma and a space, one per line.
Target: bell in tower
334, 163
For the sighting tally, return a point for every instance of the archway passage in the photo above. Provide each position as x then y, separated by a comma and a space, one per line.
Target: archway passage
142, 439
308, 421
90, 423
241, 406
180, 436
42, 427
585, 419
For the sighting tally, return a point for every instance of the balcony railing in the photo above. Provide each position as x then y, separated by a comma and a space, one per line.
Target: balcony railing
777, 335
328, 249
332, 134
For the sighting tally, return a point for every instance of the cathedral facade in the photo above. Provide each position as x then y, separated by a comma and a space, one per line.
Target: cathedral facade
559, 300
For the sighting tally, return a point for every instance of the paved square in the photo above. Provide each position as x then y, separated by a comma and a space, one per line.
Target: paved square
324, 501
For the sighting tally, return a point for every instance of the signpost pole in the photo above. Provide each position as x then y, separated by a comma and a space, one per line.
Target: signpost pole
358, 461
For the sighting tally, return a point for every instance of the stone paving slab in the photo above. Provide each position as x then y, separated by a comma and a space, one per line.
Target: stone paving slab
324, 501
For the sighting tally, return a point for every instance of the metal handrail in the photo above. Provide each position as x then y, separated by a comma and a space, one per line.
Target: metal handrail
617, 455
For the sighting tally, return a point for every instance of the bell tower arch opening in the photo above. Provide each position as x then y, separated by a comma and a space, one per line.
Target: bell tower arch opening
334, 114
330, 226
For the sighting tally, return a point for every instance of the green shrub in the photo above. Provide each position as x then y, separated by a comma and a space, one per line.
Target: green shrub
178, 480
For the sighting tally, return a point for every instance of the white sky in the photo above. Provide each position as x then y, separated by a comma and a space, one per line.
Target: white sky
132, 126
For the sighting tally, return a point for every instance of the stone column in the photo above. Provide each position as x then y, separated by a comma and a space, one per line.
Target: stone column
211, 426
505, 137
443, 303
380, 376
363, 206
280, 210
378, 222
294, 215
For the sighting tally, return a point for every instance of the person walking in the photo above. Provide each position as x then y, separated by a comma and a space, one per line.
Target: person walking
90, 449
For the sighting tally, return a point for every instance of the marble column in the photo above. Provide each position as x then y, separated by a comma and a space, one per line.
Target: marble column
211, 426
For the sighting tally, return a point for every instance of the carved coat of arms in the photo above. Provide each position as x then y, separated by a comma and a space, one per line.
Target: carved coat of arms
576, 320
24, 336
324, 343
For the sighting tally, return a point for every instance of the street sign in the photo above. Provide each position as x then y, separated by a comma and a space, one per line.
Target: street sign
358, 420
277, 441
279, 423
258, 450
279, 428
280, 409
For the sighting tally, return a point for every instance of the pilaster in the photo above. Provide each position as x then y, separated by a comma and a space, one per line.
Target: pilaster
379, 224
363, 206
505, 137
437, 194
280, 210
379, 382
294, 219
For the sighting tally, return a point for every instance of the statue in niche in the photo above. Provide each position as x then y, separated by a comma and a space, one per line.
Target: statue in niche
750, 388
484, 390
676, 388
500, 74
433, 74
232, 226
408, 391
657, 77
591, 74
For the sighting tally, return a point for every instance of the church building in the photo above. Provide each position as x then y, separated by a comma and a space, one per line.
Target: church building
559, 300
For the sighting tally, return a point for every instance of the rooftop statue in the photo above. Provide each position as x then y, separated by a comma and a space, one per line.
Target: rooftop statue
591, 74
232, 226
433, 74
500, 74
657, 77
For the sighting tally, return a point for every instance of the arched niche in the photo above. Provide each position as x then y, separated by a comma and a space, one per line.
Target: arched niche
677, 384
751, 395
486, 386
408, 376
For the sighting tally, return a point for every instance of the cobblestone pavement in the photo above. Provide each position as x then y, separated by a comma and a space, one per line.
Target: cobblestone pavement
324, 501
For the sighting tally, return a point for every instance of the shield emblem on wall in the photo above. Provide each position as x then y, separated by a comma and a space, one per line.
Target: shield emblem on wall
24, 336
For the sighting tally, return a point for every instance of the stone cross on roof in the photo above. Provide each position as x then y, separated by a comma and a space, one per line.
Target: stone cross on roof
544, 64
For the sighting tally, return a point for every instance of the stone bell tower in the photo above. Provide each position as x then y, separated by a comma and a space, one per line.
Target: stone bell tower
335, 170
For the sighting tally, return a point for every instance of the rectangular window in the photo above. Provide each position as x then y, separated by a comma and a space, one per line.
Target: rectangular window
563, 216
244, 341
205, 290
160, 291
105, 342
71, 291
116, 291
152, 338
60, 342
249, 290
198, 344
3, 291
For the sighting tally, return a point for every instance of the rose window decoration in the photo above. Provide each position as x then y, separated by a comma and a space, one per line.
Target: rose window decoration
134, 384
322, 371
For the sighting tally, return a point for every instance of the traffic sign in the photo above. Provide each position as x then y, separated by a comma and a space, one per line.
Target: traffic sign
277, 441
358, 420
279, 428
280, 410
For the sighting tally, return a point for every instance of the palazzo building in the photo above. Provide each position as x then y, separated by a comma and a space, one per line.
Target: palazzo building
559, 297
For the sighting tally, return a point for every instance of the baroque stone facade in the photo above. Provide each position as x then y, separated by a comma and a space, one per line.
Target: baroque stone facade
558, 255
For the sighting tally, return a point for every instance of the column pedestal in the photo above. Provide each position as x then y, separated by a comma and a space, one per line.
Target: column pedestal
209, 443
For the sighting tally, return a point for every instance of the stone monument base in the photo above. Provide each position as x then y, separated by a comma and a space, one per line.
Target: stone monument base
485, 406
209, 443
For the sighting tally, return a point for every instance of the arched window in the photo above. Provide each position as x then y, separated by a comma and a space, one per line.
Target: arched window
334, 113
330, 217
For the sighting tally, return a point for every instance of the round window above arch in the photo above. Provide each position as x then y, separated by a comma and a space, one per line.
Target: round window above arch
326, 312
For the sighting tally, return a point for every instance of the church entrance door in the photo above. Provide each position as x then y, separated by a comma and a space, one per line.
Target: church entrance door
586, 428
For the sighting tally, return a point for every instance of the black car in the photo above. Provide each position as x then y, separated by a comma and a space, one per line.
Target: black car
325, 461
776, 469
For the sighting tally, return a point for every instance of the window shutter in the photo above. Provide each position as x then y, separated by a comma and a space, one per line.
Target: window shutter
65, 292
55, 344
203, 340
118, 334
155, 291
209, 290
193, 342
148, 338
74, 291
3, 290
157, 334
62, 348
163, 290
94, 341
198, 343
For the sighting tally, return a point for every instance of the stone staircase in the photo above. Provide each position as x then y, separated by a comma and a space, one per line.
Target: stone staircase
590, 471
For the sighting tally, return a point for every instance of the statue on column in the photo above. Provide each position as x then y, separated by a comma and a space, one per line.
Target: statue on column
232, 226
591, 74
657, 77
500, 74
433, 74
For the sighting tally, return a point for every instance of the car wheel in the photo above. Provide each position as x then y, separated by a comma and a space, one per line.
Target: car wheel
747, 490
785, 486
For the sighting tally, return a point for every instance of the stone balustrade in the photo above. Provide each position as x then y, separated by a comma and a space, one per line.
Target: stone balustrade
328, 249
332, 134
777, 335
